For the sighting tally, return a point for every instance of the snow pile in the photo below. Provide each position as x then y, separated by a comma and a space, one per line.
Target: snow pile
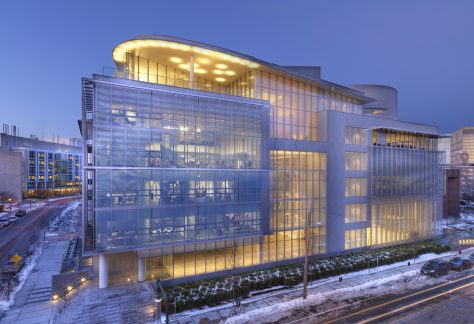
5, 304
371, 288
467, 217
71, 208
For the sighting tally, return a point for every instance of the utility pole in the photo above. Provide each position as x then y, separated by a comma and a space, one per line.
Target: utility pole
306, 254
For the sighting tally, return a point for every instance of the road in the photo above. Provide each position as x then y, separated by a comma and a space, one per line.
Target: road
412, 307
18, 238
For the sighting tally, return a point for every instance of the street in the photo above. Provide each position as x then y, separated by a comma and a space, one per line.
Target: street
410, 307
18, 238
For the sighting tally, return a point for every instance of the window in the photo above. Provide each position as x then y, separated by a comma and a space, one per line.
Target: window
356, 161
356, 213
355, 238
356, 187
355, 135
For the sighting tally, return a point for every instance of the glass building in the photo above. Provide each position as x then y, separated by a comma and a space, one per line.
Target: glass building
200, 160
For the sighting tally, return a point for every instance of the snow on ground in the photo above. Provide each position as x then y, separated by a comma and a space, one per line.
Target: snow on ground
62, 198
62, 216
31, 262
371, 288
422, 258
467, 217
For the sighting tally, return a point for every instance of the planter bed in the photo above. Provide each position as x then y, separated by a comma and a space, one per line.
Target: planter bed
219, 290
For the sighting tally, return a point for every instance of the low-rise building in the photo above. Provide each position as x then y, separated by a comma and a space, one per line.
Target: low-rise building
41, 168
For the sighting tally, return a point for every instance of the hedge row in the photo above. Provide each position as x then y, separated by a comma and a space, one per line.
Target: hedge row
218, 290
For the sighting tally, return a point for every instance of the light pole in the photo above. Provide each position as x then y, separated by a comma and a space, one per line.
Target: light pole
158, 307
159, 296
306, 255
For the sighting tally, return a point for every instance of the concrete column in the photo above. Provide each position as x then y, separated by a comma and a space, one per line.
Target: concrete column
103, 271
141, 269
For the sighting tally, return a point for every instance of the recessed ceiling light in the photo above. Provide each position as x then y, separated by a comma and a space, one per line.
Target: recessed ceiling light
200, 71
218, 72
203, 60
221, 66
220, 79
175, 59
253, 65
229, 72
184, 66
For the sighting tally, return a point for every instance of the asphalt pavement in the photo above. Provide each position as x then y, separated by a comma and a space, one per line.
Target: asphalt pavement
20, 236
385, 308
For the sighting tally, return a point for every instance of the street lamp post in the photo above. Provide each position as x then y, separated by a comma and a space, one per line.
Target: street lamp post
158, 308
159, 297
308, 230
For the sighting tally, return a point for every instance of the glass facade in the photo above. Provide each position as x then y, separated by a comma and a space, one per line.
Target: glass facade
297, 178
356, 238
406, 194
356, 161
173, 168
355, 213
213, 162
401, 139
294, 103
355, 135
356, 187
298, 182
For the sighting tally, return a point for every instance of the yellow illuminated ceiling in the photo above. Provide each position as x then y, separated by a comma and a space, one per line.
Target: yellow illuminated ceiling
210, 64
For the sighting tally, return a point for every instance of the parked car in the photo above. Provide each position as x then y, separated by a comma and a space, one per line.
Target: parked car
4, 222
12, 219
436, 268
471, 256
20, 213
460, 264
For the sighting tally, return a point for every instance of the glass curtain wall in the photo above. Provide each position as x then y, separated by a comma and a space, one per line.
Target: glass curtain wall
142, 69
298, 179
406, 194
173, 168
294, 103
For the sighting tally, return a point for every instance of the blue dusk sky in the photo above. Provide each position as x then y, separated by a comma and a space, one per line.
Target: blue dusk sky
425, 49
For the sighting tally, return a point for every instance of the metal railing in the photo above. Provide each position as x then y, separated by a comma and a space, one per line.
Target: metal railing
178, 82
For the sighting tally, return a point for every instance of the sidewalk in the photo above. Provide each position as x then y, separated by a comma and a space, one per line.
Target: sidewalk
32, 302
221, 313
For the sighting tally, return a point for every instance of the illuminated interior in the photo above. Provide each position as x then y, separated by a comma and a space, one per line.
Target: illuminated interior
211, 65
185, 174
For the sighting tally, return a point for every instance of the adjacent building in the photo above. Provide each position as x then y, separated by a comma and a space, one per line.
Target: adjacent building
462, 157
444, 145
199, 160
451, 206
36, 168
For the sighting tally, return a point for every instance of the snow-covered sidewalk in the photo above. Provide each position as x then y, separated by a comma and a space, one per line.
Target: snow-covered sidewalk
31, 302
355, 282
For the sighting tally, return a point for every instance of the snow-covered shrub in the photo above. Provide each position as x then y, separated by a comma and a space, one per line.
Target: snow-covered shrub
217, 290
